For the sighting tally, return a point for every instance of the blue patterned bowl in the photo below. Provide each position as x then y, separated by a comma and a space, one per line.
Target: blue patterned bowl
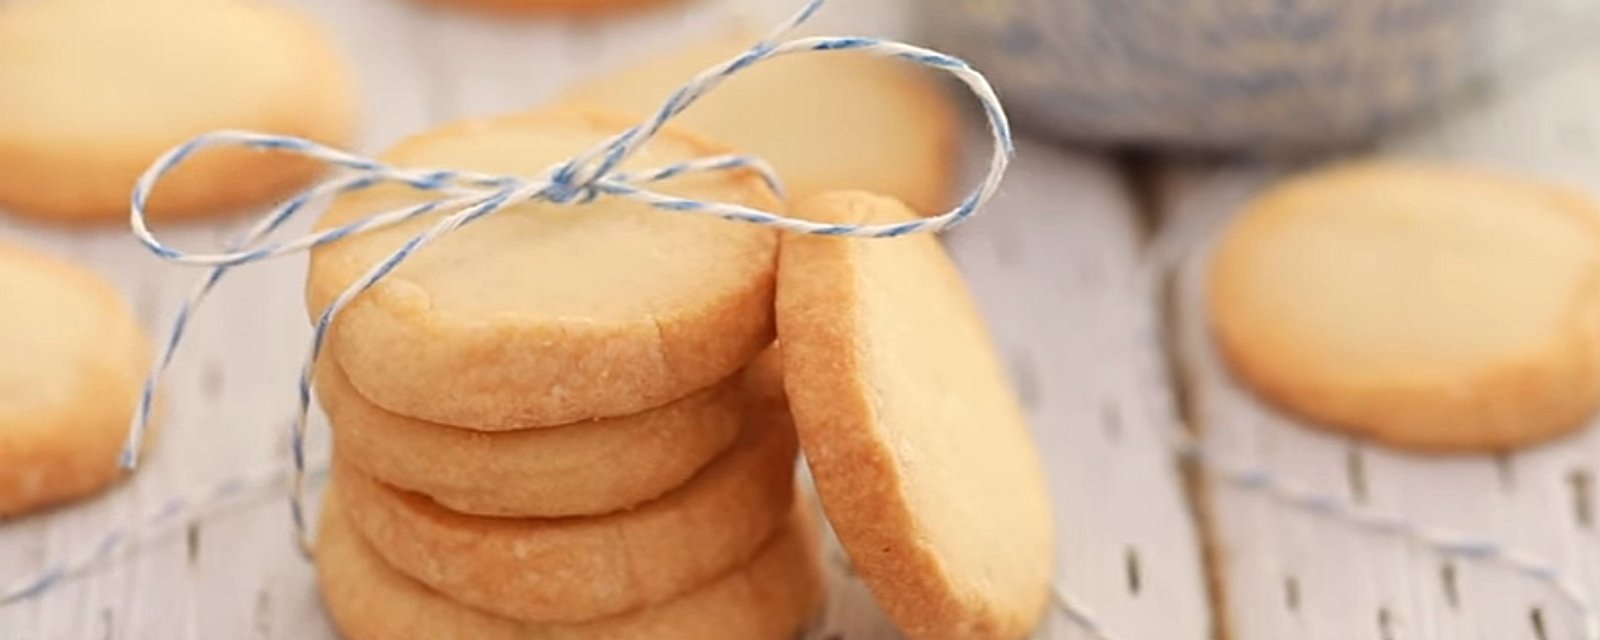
1214, 74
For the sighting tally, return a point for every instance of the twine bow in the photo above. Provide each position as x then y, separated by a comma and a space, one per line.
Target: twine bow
594, 173
469, 196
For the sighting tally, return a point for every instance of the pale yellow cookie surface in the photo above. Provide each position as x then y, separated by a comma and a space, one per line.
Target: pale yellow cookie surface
74, 358
95, 90
826, 121
1422, 306
582, 568
769, 598
586, 468
921, 454
546, 314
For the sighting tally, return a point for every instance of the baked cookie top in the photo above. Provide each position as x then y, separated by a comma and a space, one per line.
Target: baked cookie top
97, 89
843, 120
1424, 306
113, 73
921, 454
545, 313
69, 380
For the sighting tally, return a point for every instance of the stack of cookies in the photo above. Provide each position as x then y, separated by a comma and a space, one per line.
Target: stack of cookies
558, 421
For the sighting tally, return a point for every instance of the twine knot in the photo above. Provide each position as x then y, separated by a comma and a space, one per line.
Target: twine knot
460, 197
564, 187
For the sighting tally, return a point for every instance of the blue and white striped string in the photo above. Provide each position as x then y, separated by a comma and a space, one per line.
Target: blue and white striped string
465, 197
1166, 255
469, 196
1449, 542
171, 514
1286, 492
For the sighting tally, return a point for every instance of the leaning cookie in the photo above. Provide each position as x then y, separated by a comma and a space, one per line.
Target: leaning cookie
585, 468
769, 598
576, 569
1435, 307
95, 90
546, 314
921, 455
69, 380
845, 120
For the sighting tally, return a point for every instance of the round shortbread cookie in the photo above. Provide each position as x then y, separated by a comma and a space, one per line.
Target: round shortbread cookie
95, 90
769, 598
587, 468
547, 314
897, 133
69, 379
920, 452
576, 569
1442, 308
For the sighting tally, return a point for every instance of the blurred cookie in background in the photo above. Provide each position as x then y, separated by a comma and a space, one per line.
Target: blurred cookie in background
1434, 307
74, 357
841, 120
96, 90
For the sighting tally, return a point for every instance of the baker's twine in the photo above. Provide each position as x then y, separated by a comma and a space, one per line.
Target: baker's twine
465, 196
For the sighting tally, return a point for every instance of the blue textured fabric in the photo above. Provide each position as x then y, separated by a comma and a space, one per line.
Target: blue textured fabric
1265, 74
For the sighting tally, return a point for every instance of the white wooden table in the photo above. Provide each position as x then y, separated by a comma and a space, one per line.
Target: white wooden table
1062, 267
1285, 571
1054, 262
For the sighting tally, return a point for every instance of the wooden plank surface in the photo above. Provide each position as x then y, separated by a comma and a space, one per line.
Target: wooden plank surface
1054, 263
1292, 572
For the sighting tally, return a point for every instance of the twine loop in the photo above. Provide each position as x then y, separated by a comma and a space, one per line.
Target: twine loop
462, 197
465, 196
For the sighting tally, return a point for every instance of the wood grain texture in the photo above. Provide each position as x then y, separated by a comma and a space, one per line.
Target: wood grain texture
1054, 263
1289, 573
